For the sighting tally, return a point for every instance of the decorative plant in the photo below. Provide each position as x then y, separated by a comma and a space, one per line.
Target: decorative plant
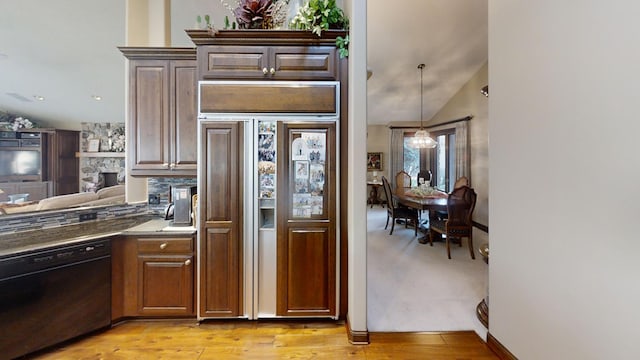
207, 22
21, 123
14, 123
251, 14
319, 15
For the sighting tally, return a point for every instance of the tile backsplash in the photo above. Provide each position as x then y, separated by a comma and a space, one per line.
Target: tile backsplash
49, 219
161, 186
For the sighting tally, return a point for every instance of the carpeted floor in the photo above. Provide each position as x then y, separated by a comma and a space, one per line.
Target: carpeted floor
414, 287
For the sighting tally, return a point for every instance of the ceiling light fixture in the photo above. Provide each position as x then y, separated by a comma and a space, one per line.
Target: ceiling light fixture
96, 97
421, 139
38, 97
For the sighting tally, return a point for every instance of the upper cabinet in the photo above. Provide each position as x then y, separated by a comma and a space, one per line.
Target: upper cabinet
268, 62
266, 55
162, 120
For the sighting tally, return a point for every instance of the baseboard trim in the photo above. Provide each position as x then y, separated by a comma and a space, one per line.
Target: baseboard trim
499, 349
356, 337
481, 227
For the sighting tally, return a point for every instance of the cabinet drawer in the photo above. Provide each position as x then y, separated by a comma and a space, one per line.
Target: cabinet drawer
165, 245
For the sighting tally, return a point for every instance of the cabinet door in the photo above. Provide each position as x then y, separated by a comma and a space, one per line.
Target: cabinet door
165, 285
306, 243
183, 117
221, 220
37, 190
233, 62
268, 63
148, 116
8, 189
303, 63
63, 165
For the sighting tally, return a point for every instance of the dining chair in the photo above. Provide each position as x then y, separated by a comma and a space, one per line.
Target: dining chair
461, 181
398, 212
403, 181
426, 175
460, 205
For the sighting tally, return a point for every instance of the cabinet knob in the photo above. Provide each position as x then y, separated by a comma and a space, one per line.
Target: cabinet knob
163, 246
272, 71
187, 262
265, 71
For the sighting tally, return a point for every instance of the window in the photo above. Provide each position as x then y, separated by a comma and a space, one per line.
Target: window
411, 158
443, 164
441, 160
449, 160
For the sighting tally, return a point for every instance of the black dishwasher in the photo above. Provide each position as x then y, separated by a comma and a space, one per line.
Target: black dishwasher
53, 295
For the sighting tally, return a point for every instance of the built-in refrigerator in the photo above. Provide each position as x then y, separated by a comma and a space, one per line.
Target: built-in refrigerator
274, 251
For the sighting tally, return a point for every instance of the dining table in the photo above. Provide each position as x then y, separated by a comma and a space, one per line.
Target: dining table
434, 202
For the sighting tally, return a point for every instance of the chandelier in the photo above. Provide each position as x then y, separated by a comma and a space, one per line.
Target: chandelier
421, 139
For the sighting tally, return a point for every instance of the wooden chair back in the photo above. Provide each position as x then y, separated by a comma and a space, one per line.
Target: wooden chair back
460, 206
395, 211
388, 194
403, 181
426, 175
462, 181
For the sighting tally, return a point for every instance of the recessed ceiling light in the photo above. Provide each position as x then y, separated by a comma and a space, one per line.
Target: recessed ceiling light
38, 97
96, 97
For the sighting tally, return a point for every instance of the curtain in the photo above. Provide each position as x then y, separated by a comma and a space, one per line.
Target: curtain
396, 163
463, 151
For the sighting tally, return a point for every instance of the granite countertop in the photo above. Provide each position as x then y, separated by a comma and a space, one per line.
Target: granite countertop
26, 241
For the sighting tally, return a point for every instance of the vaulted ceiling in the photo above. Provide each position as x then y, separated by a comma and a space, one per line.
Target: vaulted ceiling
66, 51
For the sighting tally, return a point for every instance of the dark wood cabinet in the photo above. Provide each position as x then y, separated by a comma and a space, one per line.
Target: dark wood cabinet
267, 62
307, 251
153, 276
63, 166
165, 276
162, 111
37, 190
221, 219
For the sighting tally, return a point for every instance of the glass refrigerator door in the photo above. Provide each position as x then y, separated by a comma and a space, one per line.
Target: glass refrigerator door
266, 173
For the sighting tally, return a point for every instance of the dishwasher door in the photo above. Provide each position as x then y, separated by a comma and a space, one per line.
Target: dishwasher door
51, 304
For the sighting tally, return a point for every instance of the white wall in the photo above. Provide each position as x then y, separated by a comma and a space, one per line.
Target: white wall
356, 195
564, 169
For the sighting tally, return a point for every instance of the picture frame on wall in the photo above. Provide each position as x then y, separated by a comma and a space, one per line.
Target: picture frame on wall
93, 145
374, 161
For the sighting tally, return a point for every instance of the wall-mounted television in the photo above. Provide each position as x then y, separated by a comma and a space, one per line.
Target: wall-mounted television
20, 165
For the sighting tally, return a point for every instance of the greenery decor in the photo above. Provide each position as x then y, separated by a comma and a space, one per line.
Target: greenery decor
319, 15
261, 14
314, 15
250, 14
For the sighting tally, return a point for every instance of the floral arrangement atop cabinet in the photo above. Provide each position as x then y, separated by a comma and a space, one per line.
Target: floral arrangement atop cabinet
313, 15
12, 122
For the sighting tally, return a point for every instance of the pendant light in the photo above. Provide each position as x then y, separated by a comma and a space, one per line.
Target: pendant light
421, 139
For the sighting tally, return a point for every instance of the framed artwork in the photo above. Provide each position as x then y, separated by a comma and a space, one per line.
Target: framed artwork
374, 161
93, 145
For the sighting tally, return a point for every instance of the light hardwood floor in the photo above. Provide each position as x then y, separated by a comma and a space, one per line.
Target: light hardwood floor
240, 339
